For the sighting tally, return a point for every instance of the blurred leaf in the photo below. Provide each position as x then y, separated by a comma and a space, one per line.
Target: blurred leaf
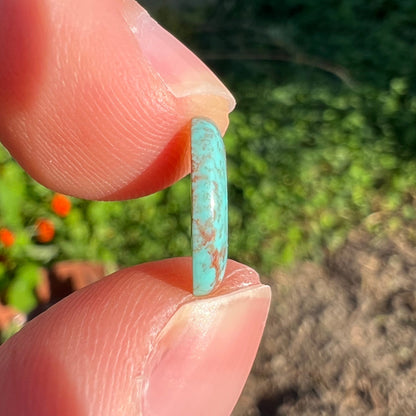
43, 254
20, 293
12, 194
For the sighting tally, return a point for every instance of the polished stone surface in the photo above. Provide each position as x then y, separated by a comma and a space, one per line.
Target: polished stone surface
209, 206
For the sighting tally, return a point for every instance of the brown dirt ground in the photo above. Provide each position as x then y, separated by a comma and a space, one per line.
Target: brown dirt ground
340, 338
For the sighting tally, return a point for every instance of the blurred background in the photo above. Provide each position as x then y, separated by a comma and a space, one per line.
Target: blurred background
322, 184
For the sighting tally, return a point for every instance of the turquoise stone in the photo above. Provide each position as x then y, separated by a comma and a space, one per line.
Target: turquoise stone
209, 206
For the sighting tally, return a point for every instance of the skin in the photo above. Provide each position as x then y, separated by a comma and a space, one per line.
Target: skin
96, 101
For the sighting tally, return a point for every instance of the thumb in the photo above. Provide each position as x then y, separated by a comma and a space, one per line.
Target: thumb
135, 344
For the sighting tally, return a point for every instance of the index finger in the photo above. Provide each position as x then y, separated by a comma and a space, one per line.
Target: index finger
96, 98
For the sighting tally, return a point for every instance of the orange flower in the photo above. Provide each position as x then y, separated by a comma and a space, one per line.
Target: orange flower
61, 205
6, 237
45, 230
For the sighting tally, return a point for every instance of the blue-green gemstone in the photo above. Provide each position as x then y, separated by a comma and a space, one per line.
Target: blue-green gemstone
209, 206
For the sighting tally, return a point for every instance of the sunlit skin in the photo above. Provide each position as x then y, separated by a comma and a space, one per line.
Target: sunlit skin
84, 111
89, 109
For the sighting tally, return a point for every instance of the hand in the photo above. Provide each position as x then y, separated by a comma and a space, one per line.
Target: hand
95, 101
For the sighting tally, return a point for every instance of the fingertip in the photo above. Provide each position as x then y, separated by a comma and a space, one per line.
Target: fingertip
23, 30
204, 354
100, 115
119, 344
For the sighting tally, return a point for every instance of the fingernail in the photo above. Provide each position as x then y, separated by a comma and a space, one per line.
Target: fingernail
182, 72
203, 356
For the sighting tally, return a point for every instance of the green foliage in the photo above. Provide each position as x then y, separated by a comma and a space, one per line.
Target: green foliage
307, 164
115, 233
20, 291
23, 203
